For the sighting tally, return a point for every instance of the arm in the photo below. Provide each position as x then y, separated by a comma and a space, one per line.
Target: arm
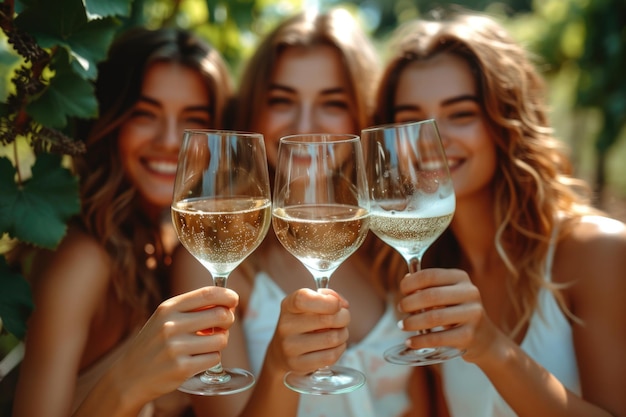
58, 330
311, 333
597, 268
595, 265
595, 258
165, 352
298, 344
422, 393
187, 274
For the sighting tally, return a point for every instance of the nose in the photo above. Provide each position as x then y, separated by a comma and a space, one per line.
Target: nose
171, 134
305, 120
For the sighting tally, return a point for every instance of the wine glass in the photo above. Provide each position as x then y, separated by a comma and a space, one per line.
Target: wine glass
412, 203
320, 215
221, 213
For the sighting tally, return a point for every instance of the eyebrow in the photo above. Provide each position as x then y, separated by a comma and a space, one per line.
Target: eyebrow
447, 102
156, 103
328, 91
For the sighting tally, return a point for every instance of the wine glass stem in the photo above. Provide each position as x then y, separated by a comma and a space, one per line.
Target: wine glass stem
216, 373
415, 265
220, 281
324, 372
321, 282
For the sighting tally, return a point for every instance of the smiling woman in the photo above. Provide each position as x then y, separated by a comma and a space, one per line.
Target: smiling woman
173, 97
528, 279
314, 73
112, 269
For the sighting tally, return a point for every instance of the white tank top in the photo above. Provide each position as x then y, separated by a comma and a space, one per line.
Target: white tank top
385, 391
548, 340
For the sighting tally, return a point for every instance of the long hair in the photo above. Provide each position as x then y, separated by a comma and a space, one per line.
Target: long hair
110, 207
336, 28
535, 195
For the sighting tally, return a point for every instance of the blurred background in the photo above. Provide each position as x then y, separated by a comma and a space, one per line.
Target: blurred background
580, 47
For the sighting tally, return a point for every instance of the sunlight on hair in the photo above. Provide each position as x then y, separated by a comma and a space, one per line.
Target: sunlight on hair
607, 225
346, 24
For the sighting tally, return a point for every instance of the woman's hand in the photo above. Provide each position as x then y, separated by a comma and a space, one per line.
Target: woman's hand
183, 337
311, 331
446, 300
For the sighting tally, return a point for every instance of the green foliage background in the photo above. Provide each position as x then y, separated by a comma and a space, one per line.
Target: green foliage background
49, 51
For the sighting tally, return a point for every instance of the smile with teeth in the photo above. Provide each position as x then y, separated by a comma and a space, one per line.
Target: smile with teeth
453, 163
162, 167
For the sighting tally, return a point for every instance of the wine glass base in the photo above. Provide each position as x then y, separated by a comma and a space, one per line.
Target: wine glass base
402, 355
240, 380
338, 380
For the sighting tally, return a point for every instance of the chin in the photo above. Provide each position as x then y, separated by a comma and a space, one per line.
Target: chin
157, 202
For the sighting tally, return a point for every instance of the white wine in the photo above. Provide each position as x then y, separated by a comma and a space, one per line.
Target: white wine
409, 235
321, 236
221, 232
411, 232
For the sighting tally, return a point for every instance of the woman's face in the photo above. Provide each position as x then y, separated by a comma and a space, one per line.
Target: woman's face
308, 93
444, 89
173, 98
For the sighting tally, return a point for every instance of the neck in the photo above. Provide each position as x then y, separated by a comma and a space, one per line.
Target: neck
474, 228
161, 220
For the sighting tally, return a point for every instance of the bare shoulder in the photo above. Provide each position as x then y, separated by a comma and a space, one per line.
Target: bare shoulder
598, 229
77, 246
594, 242
79, 266
592, 257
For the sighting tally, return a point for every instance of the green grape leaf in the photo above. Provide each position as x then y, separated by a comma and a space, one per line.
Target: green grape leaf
89, 45
16, 302
68, 26
37, 212
105, 8
48, 20
67, 95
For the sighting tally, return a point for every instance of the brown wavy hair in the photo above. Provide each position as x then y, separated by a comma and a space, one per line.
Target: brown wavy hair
110, 207
535, 195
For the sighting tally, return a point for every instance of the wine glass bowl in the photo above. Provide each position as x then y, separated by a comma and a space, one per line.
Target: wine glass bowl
320, 214
221, 213
412, 202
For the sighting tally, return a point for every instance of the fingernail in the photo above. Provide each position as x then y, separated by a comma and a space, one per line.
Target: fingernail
400, 324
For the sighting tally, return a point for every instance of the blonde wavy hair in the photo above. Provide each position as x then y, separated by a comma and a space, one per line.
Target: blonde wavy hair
535, 196
336, 28
111, 210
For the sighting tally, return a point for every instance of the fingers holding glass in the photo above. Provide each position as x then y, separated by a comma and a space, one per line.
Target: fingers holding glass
221, 213
321, 216
412, 203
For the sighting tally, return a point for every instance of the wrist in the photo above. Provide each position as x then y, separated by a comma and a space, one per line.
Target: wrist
496, 355
109, 398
